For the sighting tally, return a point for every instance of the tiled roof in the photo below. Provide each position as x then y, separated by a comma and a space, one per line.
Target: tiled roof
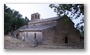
39, 27
45, 20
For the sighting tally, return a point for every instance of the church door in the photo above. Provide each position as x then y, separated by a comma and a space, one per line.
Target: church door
66, 39
35, 42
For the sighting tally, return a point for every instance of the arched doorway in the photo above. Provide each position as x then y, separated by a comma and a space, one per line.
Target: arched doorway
35, 43
66, 39
17, 36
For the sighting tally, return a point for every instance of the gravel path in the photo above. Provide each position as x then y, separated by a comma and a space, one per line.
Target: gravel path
13, 43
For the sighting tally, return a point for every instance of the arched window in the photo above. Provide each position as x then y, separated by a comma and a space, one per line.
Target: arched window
38, 16
35, 16
34, 35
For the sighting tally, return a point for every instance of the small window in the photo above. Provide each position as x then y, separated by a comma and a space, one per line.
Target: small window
33, 24
38, 16
26, 34
34, 35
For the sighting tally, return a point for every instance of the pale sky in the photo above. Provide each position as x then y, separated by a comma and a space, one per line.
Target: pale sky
27, 9
43, 9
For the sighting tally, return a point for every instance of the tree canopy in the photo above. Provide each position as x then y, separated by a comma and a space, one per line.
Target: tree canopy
13, 20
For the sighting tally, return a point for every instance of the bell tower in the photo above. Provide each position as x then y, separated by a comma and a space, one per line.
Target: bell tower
35, 16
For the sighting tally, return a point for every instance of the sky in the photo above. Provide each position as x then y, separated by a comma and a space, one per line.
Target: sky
43, 9
27, 9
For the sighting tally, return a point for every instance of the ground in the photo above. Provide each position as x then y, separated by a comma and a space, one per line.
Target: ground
13, 43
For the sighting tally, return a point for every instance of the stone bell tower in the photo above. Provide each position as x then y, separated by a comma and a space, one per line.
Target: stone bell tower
35, 16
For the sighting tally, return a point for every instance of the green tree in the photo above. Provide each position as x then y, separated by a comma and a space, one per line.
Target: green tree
13, 20
7, 19
27, 20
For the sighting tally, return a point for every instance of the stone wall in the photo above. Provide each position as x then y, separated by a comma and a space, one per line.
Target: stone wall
48, 36
16, 32
64, 30
31, 37
21, 35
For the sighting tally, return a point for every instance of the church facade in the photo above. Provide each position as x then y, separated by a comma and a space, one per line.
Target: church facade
50, 31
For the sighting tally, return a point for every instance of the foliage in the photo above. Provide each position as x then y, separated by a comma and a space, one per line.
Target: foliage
81, 35
65, 9
13, 20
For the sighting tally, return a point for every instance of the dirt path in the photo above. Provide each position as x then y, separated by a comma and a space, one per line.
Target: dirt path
13, 43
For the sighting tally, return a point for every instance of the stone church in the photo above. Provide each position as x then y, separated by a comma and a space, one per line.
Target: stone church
50, 31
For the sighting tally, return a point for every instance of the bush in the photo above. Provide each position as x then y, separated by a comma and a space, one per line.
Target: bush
81, 35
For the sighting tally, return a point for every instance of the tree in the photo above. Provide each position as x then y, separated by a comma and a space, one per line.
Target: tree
7, 19
13, 20
74, 11
27, 20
